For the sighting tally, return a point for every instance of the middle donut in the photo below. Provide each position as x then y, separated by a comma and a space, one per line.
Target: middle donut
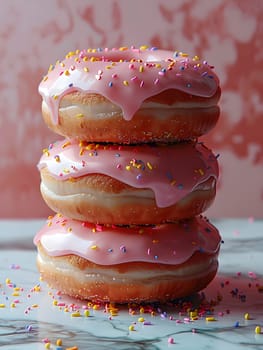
126, 184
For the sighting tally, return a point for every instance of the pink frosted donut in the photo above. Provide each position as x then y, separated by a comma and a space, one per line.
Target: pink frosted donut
130, 96
128, 184
123, 264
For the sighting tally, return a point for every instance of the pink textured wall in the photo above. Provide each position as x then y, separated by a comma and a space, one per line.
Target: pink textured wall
228, 33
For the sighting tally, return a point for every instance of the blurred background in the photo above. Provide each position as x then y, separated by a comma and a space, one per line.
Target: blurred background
227, 33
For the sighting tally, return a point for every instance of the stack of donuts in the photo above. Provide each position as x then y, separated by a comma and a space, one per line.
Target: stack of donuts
130, 179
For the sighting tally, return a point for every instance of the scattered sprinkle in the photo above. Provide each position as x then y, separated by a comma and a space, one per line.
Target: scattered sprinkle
247, 316
59, 342
76, 314
171, 340
258, 330
210, 319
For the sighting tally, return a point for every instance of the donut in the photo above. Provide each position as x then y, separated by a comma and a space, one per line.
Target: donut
130, 95
127, 263
128, 184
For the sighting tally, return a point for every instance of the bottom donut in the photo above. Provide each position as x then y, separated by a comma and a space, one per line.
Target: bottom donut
127, 264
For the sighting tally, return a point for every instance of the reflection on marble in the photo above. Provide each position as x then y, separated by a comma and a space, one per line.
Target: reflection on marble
31, 314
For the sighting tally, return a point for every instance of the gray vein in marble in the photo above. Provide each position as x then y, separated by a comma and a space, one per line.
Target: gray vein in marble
18, 334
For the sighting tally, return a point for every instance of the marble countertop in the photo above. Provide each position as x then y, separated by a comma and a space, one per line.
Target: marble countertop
230, 310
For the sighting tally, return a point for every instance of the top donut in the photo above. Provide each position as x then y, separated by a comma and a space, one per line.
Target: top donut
130, 95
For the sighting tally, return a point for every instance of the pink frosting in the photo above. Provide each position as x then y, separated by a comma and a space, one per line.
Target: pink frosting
171, 171
126, 76
104, 245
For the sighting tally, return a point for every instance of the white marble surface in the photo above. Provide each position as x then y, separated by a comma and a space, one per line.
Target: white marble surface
29, 316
